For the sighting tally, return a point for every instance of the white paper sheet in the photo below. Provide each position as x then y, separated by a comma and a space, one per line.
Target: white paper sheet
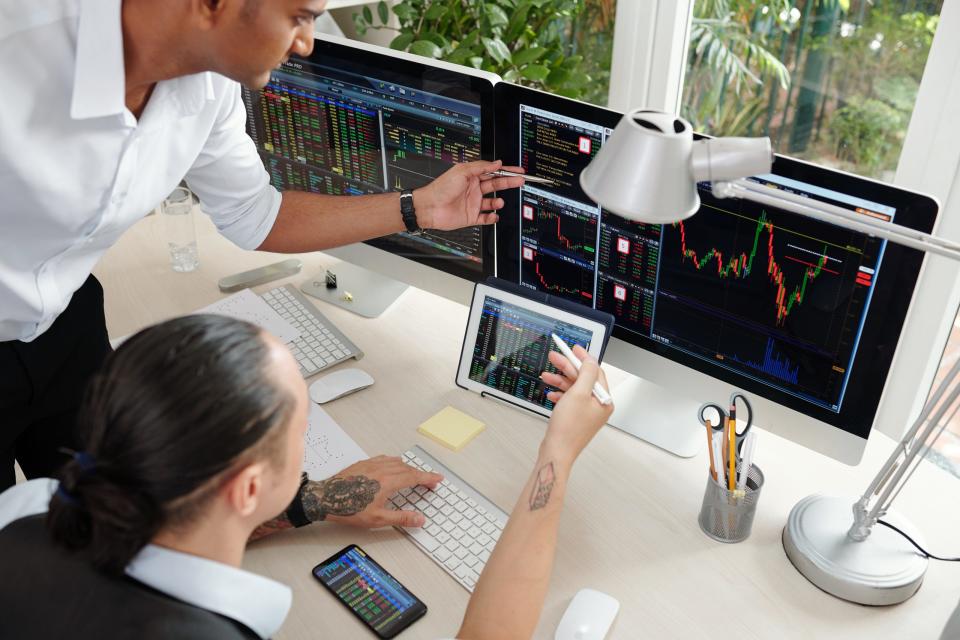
328, 448
246, 305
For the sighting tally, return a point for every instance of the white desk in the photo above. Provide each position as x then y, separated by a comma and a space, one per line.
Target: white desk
629, 526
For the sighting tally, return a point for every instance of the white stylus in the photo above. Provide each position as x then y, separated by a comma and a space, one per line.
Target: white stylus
598, 391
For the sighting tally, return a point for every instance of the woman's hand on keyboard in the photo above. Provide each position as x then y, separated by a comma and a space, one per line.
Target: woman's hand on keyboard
358, 495
578, 415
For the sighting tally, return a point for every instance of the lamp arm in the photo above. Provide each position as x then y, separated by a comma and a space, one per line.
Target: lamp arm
839, 216
906, 457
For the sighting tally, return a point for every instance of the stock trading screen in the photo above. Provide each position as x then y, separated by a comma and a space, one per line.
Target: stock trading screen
512, 346
768, 294
367, 589
336, 132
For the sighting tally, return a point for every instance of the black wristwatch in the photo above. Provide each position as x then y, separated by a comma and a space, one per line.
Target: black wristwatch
295, 513
408, 212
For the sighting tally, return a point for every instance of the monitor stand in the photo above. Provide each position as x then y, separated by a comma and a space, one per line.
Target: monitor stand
359, 290
659, 416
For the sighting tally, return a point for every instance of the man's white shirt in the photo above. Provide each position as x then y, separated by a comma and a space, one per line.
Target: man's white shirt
77, 169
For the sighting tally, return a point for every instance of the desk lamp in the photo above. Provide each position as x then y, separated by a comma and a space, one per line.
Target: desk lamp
647, 171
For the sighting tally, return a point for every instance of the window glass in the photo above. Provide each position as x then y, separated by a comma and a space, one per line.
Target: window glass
830, 81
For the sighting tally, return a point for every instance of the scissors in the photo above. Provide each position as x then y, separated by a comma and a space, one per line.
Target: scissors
731, 415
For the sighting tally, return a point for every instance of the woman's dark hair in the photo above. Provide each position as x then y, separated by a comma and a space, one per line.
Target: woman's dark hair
175, 407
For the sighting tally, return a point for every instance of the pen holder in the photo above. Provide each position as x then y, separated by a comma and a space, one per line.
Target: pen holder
727, 516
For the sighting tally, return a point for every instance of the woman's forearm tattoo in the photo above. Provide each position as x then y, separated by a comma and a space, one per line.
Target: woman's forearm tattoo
338, 496
542, 487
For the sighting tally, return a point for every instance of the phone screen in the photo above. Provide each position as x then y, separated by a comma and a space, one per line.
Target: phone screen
369, 591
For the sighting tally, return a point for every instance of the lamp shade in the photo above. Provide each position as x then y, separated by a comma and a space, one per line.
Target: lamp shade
648, 169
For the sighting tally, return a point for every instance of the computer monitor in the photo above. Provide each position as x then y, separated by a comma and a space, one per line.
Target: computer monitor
358, 119
802, 315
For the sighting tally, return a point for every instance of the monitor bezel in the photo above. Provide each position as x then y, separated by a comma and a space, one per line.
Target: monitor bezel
881, 330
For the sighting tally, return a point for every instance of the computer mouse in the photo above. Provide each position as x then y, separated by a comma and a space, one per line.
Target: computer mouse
588, 617
338, 384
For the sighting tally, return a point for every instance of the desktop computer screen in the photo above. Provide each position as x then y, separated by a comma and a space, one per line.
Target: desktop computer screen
349, 121
799, 312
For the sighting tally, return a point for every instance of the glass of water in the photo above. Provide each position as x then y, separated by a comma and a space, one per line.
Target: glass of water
177, 214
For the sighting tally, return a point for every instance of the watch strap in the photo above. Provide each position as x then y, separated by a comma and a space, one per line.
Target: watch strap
408, 212
295, 513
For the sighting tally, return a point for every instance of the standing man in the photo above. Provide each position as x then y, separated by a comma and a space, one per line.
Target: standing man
106, 106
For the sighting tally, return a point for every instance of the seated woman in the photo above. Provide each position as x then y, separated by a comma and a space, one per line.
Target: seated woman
195, 435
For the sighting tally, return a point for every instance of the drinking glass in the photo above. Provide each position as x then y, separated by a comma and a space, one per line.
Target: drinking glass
181, 234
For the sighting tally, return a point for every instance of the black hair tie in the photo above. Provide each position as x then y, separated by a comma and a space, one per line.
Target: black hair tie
87, 465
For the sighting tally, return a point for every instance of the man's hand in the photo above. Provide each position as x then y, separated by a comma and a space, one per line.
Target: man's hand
458, 197
358, 495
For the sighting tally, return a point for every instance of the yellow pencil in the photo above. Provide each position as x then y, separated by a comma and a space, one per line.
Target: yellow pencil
732, 455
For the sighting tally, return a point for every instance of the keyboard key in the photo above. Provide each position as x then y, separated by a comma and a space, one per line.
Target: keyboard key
452, 563
454, 516
488, 528
433, 529
472, 502
452, 545
460, 552
457, 533
484, 539
480, 521
442, 554
443, 537
470, 514
484, 556
476, 548
473, 532
448, 526
470, 560
425, 539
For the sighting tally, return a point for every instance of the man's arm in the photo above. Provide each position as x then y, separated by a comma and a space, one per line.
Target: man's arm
356, 496
510, 592
458, 198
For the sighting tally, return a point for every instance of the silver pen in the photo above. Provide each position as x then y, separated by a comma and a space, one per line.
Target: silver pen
503, 173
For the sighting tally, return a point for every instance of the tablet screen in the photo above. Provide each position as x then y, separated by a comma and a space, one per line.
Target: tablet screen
511, 349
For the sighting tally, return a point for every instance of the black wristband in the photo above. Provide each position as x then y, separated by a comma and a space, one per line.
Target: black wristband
295, 513
408, 212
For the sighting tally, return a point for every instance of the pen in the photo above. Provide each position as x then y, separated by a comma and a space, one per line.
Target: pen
749, 444
503, 173
598, 391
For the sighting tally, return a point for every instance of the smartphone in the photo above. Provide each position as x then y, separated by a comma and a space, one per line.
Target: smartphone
372, 594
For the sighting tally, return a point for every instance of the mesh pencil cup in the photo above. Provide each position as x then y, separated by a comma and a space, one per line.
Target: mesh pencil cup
727, 516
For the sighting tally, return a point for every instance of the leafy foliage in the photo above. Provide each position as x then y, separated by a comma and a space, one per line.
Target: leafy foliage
530, 42
867, 132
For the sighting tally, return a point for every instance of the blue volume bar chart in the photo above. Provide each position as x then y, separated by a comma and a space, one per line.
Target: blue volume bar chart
773, 365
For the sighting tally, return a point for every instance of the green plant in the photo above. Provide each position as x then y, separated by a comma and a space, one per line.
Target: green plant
530, 42
867, 133
729, 63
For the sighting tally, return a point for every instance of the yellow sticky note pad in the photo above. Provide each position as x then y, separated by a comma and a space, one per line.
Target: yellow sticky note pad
451, 428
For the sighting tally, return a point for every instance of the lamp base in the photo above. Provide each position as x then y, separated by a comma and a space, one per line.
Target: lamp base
884, 569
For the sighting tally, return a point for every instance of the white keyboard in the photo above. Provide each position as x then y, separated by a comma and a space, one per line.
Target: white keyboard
461, 527
321, 344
